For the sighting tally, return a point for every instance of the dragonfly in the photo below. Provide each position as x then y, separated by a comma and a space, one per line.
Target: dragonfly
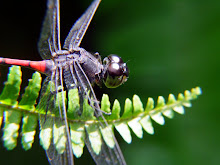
73, 67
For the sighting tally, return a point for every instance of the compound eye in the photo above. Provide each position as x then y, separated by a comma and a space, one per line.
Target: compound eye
115, 75
115, 58
114, 70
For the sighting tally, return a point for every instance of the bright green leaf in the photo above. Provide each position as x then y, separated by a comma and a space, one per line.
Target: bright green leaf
124, 131
136, 127
147, 125
77, 133
94, 138
28, 130
137, 105
107, 134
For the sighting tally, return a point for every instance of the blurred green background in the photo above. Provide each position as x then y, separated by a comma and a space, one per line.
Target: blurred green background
169, 46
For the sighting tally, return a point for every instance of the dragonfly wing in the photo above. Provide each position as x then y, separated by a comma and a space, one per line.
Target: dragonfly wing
78, 30
53, 130
108, 155
55, 158
50, 35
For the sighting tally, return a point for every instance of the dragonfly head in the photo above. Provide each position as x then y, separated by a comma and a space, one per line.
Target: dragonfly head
115, 71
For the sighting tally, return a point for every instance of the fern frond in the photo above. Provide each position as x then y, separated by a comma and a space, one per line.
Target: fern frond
134, 117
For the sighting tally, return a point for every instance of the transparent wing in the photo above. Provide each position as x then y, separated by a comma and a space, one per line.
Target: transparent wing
55, 158
54, 132
50, 34
107, 155
78, 30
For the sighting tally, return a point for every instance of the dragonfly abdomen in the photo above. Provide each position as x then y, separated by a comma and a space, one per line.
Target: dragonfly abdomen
40, 66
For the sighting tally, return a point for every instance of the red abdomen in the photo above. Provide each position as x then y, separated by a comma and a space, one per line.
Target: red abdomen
41, 66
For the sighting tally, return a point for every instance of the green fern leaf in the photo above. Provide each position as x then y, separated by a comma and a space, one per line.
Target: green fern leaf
135, 117
13, 112
27, 102
122, 126
11, 118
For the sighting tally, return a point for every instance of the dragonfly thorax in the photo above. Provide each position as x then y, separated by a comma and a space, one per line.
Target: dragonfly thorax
78, 67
